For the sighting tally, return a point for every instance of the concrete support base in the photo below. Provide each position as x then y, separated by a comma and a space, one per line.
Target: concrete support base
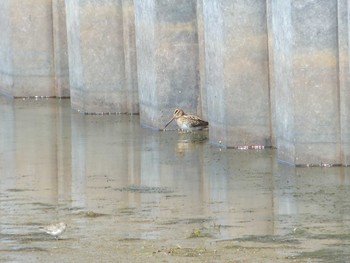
26, 48
344, 78
305, 81
61, 67
130, 56
236, 61
96, 57
167, 59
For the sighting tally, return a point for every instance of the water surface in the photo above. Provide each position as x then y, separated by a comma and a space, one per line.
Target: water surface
129, 193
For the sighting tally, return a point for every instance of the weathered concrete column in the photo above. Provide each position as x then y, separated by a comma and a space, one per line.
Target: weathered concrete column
26, 48
60, 49
237, 72
130, 56
96, 56
305, 81
203, 102
344, 78
167, 58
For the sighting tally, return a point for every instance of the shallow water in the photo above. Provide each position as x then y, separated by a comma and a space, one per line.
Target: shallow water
129, 193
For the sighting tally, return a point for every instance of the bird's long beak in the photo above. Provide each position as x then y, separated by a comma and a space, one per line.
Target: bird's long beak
166, 125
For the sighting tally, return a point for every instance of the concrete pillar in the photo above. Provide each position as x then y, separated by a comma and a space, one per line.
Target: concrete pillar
203, 102
6, 76
26, 48
130, 56
305, 80
60, 49
344, 78
236, 57
167, 58
96, 56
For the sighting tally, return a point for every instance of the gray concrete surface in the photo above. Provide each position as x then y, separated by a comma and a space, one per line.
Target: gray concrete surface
26, 48
305, 80
344, 78
96, 56
61, 65
167, 59
130, 56
236, 61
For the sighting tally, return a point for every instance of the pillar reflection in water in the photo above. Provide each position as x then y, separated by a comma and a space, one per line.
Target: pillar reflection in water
32, 160
7, 132
315, 196
241, 188
102, 158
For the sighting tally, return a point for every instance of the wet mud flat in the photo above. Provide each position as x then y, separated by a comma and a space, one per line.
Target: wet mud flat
129, 194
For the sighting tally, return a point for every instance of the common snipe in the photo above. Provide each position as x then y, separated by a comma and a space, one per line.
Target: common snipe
187, 122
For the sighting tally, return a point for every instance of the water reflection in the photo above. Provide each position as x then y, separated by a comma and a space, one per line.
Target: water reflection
98, 171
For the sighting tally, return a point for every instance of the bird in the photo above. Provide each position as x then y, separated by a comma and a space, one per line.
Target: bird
55, 229
187, 122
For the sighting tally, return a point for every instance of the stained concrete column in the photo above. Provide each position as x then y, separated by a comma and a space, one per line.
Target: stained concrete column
344, 78
236, 58
96, 56
61, 69
305, 80
26, 48
130, 56
167, 58
203, 102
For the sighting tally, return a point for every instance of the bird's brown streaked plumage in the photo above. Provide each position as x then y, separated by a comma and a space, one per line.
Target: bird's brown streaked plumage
187, 122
